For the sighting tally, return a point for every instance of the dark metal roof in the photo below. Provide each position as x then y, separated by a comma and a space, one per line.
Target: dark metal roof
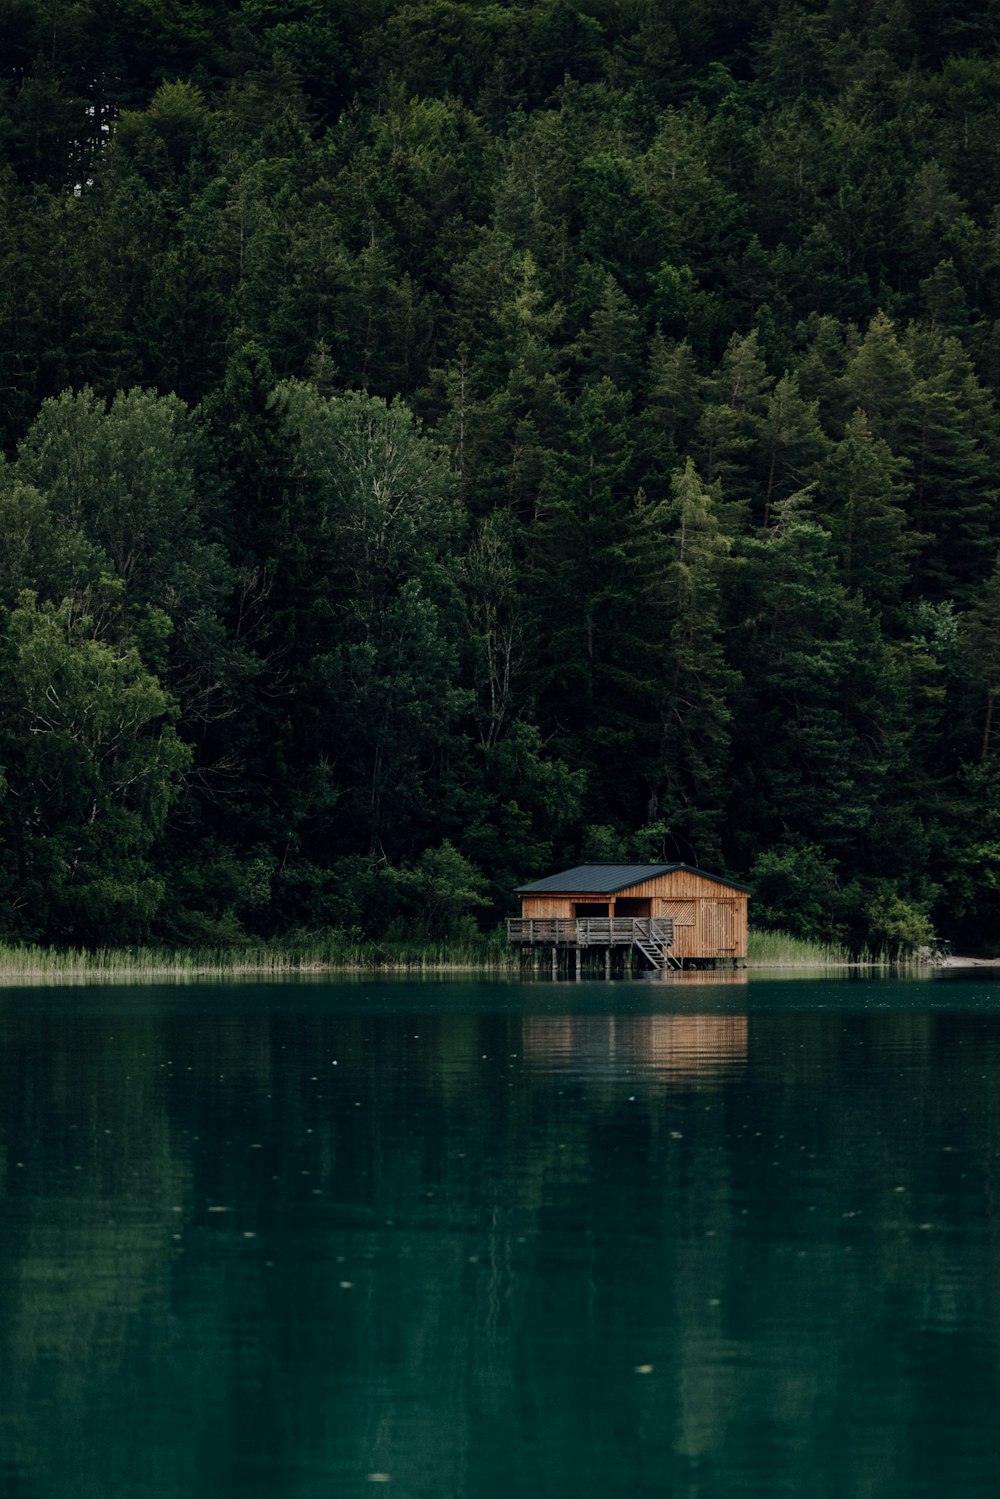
608, 879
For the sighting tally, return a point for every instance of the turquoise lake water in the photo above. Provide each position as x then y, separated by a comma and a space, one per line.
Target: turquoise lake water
474, 1240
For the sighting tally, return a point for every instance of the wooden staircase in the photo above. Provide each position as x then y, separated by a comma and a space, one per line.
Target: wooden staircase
656, 949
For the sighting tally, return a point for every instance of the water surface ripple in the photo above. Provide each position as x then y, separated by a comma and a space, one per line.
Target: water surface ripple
481, 1240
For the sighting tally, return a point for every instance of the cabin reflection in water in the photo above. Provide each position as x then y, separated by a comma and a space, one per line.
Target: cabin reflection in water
693, 976
687, 1049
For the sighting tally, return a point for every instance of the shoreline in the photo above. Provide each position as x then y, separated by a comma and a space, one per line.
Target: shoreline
207, 970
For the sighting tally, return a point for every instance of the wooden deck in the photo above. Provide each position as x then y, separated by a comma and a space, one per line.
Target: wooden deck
652, 936
590, 931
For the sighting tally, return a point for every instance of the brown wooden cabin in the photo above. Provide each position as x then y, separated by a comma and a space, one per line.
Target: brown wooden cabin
708, 914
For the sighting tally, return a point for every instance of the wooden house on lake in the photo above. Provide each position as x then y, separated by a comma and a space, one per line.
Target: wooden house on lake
673, 914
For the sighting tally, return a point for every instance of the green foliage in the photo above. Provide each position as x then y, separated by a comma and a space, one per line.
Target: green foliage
436, 897
367, 628
796, 891
92, 762
897, 926
444, 441
132, 475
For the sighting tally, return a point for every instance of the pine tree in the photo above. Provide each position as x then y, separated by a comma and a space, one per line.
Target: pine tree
880, 379
792, 443
732, 420
980, 661
591, 582
954, 450
859, 497
689, 793
612, 342
799, 656
820, 369
665, 422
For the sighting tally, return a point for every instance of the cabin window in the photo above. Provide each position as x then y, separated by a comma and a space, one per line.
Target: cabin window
632, 905
590, 908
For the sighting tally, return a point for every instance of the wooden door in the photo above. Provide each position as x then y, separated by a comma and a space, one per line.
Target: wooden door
724, 927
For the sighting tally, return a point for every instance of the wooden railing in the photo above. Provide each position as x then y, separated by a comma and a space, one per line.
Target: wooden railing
590, 931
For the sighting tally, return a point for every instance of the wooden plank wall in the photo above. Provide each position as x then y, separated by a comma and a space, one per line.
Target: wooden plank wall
548, 905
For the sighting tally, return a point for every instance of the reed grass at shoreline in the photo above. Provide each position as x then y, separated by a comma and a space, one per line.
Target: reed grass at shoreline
114, 964
782, 950
491, 955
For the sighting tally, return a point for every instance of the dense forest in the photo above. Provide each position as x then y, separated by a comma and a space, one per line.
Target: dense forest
444, 441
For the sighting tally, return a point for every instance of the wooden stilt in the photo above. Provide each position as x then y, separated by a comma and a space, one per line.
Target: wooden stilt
607, 964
